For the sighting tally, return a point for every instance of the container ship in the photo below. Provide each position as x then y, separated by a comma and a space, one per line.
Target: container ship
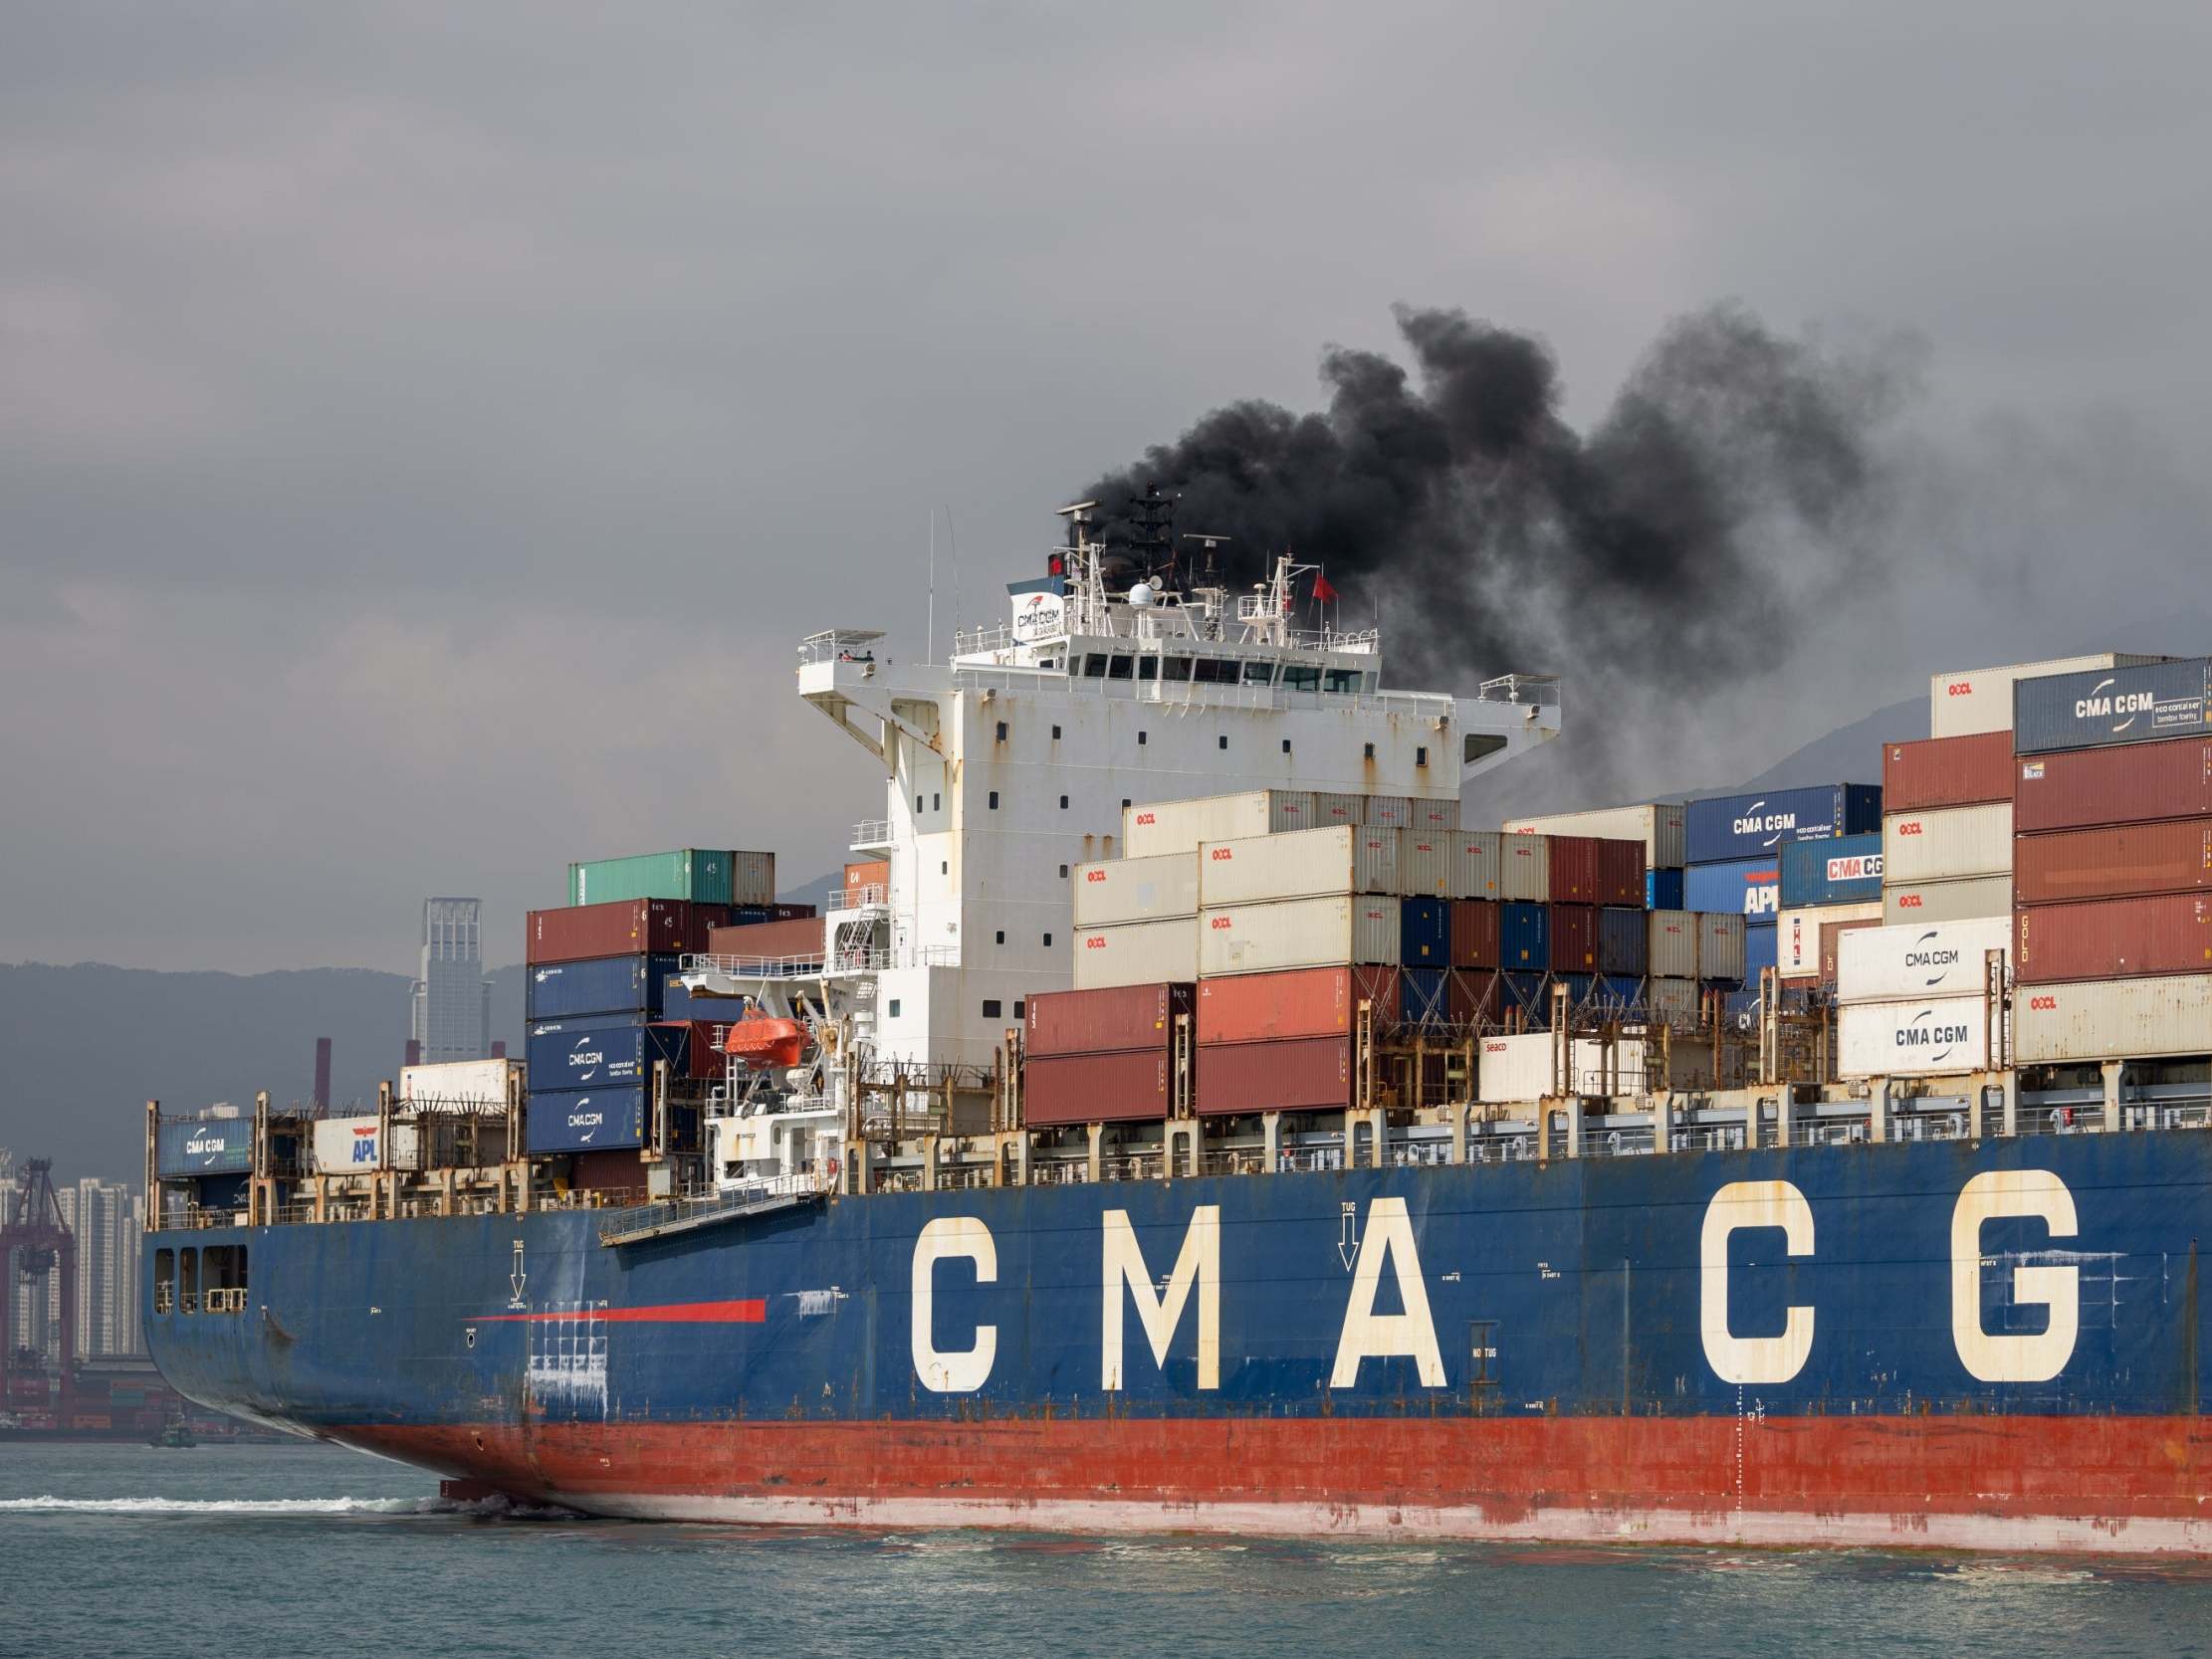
1181, 1119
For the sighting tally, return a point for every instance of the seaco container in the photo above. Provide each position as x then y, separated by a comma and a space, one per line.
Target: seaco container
1297, 932
2097, 709
597, 985
1524, 936
1980, 698
1662, 890
1882, 965
1297, 1074
1304, 1002
1523, 869
1839, 870
1748, 886
2120, 862
1958, 900
1947, 845
1424, 932
1132, 1086
1720, 946
1304, 864
1732, 828
1527, 1068
1670, 944
1136, 953
2113, 939
1114, 1019
1153, 889
1154, 827
770, 941
2113, 1019
1946, 771
1923, 1037
1657, 827
705, 876
1573, 933
634, 927
1803, 939
585, 1120
1624, 942
2128, 784
1474, 934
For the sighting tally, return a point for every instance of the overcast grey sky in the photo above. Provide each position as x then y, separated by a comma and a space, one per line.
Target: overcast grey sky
426, 430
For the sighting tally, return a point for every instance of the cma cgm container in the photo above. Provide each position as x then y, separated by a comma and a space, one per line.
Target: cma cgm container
1573, 934
704, 875
1798, 933
1114, 1019
1958, 901
1297, 932
1720, 946
1670, 945
1917, 1038
2121, 862
1732, 828
1748, 886
2113, 1019
1884, 964
206, 1146
1153, 889
2113, 939
1304, 1002
586, 1119
631, 927
1946, 846
1179, 826
1304, 864
1300, 1074
1946, 771
1840, 869
2098, 709
1523, 868
596, 1053
1980, 698
598, 985
2128, 784
1136, 953
1657, 827
1132, 1086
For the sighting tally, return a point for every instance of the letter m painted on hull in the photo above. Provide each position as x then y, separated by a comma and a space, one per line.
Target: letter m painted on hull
1122, 1261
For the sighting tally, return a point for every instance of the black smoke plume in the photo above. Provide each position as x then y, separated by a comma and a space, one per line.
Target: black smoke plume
1680, 544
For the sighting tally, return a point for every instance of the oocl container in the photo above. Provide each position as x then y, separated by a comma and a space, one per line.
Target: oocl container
2097, 709
1670, 944
1972, 699
1154, 828
1917, 1038
1523, 868
1302, 1073
1132, 1086
1155, 889
1433, 816
2113, 1019
2120, 861
1720, 949
1331, 807
1304, 1002
1473, 864
1882, 965
2132, 783
1946, 771
1659, 827
1950, 845
1136, 953
1425, 861
1298, 932
1958, 900
1839, 870
1749, 887
1573, 932
1116, 1018
1732, 828
1386, 811
2113, 939
635, 927
1304, 864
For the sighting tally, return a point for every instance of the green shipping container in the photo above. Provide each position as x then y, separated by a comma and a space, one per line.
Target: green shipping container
700, 875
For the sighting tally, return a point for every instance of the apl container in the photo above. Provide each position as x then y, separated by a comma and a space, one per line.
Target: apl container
1916, 1039
2097, 709
1524, 936
1303, 1002
1133, 1086
585, 1120
1304, 864
2113, 939
1155, 889
1657, 827
1946, 771
1720, 947
1150, 828
1958, 900
1301, 1074
1573, 933
211, 1147
1980, 698
2120, 861
1662, 890
1114, 1019
1670, 944
1424, 932
632, 928
1837, 870
1749, 887
1523, 868
1884, 965
1732, 828
1946, 846
1624, 942
2128, 784
1136, 953
597, 985
2113, 1019
1298, 932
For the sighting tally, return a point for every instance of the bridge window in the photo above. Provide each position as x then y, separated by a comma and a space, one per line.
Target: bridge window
1063, 808
1207, 672
1475, 744
1298, 676
1340, 680
1020, 1008
1140, 740
1048, 941
990, 1009
1002, 732
1148, 668
995, 794
1175, 667
1119, 666
1222, 740
1094, 666
1259, 674
1421, 757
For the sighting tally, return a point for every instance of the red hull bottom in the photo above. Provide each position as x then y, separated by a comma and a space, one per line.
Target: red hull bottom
2103, 1485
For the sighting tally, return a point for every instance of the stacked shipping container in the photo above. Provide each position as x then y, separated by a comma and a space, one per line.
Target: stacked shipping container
1102, 1056
1734, 845
1946, 834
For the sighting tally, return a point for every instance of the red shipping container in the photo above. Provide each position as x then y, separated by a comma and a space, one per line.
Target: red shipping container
1574, 871
1130, 1087
770, 941
1303, 1002
1114, 1020
2112, 938
2118, 861
1300, 1074
1621, 872
788, 912
1474, 934
2129, 784
873, 873
1574, 938
1946, 771
618, 1170
626, 927
1474, 995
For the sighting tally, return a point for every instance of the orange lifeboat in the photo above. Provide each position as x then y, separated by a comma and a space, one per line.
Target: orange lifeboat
761, 1041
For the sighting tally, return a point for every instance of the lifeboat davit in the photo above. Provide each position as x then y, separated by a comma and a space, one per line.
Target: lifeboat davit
761, 1041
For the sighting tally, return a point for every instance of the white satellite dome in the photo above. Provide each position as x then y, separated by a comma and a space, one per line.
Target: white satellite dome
1141, 595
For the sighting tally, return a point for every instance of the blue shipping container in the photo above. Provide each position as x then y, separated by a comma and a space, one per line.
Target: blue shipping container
597, 985
1580, 987
586, 1119
1524, 935
1424, 932
2101, 706
1841, 870
1624, 942
216, 1146
1751, 886
1734, 828
1529, 992
1761, 944
223, 1192
1662, 890
597, 1053
1616, 990
1422, 996
680, 1004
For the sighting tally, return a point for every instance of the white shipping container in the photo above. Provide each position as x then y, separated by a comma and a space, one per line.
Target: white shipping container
1670, 948
459, 1082
1136, 953
1948, 959
1921, 1037
347, 1145
1305, 864
1797, 936
1947, 845
1980, 698
1960, 900
1472, 864
1425, 861
1523, 868
1149, 828
1388, 811
2112, 1019
1524, 1068
752, 878
1437, 814
1672, 1001
1330, 807
1657, 826
1136, 890
1720, 944
1296, 933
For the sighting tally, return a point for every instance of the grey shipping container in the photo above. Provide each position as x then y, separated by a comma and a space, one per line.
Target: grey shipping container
2099, 708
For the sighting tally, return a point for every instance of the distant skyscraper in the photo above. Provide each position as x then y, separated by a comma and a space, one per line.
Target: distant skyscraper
452, 1015
106, 1219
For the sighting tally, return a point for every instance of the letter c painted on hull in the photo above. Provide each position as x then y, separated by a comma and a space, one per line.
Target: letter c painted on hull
950, 1238
1738, 1205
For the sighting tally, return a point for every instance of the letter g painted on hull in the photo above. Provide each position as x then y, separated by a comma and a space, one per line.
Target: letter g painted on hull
962, 1371
2002, 1358
1738, 1205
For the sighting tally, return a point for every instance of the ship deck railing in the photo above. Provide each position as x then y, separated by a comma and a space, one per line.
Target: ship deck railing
680, 1215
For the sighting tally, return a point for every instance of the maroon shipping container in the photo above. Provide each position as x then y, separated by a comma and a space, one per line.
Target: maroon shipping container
1946, 771
626, 927
2120, 862
1114, 1020
1474, 994
1474, 933
1831, 931
769, 940
1302, 1002
1129, 1087
1299, 1074
2112, 938
1574, 871
1574, 938
789, 913
1621, 872
2129, 784
618, 1171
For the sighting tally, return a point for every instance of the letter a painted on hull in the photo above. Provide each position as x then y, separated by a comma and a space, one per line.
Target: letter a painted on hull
1989, 1356
949, 1238
1738, 1205
1161, 1312
1367, 1335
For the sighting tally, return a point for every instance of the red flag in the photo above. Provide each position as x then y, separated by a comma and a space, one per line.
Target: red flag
1321, 587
